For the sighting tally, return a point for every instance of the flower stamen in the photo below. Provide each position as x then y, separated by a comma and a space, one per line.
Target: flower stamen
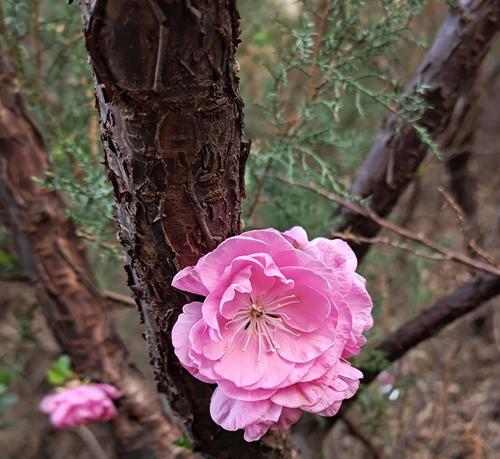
261, 319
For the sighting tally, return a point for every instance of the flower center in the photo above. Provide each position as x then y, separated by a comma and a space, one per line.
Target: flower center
261, 319
256, 311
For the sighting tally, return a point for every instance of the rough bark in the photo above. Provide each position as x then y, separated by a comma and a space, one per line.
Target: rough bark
171, 122
448, 71
53, 256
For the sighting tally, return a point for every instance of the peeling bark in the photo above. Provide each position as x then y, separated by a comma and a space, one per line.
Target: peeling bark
172, 127
448, 71
54, 258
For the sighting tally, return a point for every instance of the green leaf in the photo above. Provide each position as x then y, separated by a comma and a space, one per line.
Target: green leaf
60, 371
261, 37
183, 443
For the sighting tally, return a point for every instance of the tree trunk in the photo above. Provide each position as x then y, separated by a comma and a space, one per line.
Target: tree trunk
54, 258
447, 72
171, 121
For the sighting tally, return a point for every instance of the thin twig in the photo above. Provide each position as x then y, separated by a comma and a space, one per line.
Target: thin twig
260, 188
312, 87
118, 298
82, 275
347, 236
420, 238
91, 238
91, 442
464, 226
355, 432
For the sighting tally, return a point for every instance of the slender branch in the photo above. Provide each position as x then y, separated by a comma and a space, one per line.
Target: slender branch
447, 72
92, 238
390, 242
92, 443
119, 299
470, 242
430, 322
420, 238
427, 324
356, 432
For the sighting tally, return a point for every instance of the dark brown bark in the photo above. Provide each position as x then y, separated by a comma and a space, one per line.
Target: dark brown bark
171, 120
54, 258
448, 71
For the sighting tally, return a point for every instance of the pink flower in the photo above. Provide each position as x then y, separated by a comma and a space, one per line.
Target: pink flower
281, 314
80, 405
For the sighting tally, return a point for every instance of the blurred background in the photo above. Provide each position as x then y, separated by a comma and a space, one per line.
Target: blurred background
442, 399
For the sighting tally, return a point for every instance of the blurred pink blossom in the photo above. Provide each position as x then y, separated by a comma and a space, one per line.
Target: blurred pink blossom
280, 317
80, 405
386, 378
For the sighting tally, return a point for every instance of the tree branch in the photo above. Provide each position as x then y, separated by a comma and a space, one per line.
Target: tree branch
430, 322
371, 216
447, 72
53, 257
427, 324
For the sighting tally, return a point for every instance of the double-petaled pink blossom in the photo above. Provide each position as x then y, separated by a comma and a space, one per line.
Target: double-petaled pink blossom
80, 405
280, 317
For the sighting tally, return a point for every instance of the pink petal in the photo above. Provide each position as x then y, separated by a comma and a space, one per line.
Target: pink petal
334, 253
243, 368
310, 311
64, 416
189, 280
344, 386
360, 305
235, 414
211, 267
109, 390
260, 276
191, 313
297, 236
306, 346
254, 432
231, 390
49, 403
288, 417
274, 239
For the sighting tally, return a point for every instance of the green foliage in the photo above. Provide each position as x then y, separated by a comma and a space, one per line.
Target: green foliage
60, 371
183, 443
12, 359
87, 188
7, 263
371, 360
331, 75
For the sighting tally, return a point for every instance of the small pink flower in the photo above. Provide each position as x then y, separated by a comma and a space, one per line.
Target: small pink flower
80, 405
280, 317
